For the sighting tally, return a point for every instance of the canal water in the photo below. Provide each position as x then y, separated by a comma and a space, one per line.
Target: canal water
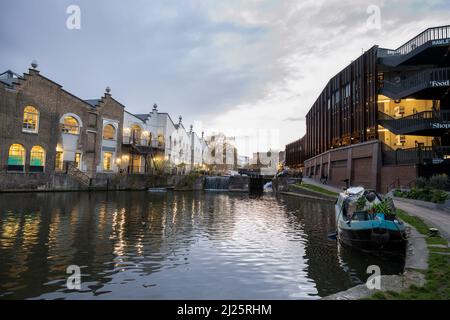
140, 245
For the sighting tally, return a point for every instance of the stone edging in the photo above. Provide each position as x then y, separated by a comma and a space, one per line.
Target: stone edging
416, 261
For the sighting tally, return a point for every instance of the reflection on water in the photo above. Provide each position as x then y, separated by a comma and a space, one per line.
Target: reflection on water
174, 246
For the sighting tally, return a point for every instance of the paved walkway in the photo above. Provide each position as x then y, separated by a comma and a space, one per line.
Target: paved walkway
436, 218
323, 186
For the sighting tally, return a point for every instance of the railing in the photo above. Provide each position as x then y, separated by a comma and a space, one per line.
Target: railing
78, 174
437, 33
414, 155
425, 120
143, 142
429, 78
422, 119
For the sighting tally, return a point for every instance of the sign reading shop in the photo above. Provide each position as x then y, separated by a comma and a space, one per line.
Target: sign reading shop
443, 125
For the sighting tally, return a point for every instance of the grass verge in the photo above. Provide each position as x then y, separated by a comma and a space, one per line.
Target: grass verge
437, 286
318, 189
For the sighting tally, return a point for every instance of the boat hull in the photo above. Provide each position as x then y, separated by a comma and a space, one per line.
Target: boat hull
373, 239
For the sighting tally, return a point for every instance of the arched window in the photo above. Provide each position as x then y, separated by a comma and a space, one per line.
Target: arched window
37, 159
30, 119
109, 132
70, 125
16, 158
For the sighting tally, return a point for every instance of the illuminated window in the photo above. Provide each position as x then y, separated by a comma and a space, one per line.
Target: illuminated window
16, 158
107, 161
160, 140
37, 159
70, 125
78, 161
30, 119
136, 133
136, 163
59, 162
109, 132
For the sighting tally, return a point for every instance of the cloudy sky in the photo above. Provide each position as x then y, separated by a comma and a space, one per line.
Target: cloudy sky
244, 67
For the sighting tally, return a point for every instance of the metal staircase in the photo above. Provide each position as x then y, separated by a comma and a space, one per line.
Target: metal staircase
428, 82
421, 123
418, 49
82, 177
419, 155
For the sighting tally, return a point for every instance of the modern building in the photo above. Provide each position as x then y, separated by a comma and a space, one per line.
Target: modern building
46, 130
384, 120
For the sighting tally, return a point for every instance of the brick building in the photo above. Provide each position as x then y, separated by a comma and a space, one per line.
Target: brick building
45, 131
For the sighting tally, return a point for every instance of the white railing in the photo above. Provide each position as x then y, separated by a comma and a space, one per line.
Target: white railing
431, 34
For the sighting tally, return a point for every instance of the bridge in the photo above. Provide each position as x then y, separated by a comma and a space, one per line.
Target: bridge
257, 179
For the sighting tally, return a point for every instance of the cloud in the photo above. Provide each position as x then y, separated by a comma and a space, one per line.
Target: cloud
293, 119
230, 64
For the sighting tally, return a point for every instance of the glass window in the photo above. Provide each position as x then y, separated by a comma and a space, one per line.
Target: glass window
136, 133
16, 158
59, 162
37, 159
70, 125
107, 161
109, 132
136, 163
78, 161
30, 119
160, 140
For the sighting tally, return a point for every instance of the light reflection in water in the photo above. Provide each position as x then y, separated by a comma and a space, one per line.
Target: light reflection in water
175, 245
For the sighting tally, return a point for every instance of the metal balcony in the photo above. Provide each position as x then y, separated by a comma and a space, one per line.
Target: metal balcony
419, 49
426, 123
418, 156
427, 84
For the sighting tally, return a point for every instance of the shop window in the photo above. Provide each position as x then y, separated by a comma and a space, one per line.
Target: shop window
16, 158
30, 120
77, 161
59, 161
109, 132
71, 125
136, 164
37, 159
107, 161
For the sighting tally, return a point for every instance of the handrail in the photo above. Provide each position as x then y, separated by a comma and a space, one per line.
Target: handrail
435, 33
77, 173
414, 155
425, 78
423, 115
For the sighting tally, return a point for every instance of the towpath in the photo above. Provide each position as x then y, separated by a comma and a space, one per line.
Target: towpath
436, 218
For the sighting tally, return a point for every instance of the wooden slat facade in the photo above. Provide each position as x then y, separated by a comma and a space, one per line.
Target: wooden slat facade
345, 112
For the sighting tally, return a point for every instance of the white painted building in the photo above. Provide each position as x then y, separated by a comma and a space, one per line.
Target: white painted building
160, 140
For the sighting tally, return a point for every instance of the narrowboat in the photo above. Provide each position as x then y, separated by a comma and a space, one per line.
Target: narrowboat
367, 222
